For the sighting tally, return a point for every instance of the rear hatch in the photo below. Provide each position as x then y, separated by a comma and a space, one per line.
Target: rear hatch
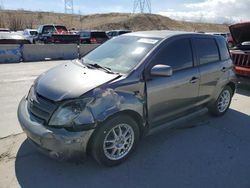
12, 38
99, 36
66, 38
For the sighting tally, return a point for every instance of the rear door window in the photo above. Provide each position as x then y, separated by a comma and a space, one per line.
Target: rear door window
224, 52
207, 50
177, 54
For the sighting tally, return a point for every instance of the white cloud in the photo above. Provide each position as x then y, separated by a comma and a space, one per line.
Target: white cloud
213, 11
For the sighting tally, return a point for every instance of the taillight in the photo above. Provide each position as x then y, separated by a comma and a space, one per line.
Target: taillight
93, 40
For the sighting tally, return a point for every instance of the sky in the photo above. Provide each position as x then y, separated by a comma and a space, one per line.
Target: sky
215, 11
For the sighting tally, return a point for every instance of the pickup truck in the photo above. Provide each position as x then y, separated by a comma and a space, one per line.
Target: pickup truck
55, 34
241, 51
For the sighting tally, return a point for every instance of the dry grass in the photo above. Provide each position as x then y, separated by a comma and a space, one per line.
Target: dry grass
26, 19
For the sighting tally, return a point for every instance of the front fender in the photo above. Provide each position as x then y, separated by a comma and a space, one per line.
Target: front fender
108, 102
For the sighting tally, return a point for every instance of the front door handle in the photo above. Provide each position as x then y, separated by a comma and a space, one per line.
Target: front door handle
194, 80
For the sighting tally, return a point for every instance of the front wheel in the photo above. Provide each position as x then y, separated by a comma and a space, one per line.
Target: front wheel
114, 141
221, 105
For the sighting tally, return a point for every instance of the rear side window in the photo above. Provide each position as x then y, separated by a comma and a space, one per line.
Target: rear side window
99, 35
177, 54
207, 50
224, 52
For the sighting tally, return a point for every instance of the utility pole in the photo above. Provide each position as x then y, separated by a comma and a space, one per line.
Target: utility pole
143, 6
69, 6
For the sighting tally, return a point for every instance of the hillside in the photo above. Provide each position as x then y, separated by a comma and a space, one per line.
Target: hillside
18, 20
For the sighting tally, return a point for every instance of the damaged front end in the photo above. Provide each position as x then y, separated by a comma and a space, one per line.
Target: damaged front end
63, 129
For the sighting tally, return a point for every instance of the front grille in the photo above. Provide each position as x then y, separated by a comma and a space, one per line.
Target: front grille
39, 106
241, 59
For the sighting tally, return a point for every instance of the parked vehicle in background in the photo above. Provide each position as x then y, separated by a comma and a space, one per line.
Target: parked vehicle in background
56, 34
241, 52
30, 34
5, 30
12, 38
230, 41
126, 88
115, 33
227, 37
93, 37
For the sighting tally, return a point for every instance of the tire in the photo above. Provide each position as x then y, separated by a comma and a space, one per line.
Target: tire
221, 105
104, 142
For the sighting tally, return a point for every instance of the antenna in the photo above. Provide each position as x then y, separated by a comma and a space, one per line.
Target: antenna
142, 5
68, 7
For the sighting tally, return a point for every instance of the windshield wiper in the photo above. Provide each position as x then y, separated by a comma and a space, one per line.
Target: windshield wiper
95, 65
100, 67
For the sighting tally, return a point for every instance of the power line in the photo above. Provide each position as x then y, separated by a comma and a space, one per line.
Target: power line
143, 6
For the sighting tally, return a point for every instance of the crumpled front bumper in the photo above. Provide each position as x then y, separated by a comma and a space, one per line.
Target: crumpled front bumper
57, 143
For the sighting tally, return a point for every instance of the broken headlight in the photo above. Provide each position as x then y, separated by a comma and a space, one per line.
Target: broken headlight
70, 113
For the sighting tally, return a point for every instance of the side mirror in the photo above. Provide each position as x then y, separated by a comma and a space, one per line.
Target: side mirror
161, 70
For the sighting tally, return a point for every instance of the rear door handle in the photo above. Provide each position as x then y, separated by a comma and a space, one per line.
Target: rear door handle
224, 69
194, 80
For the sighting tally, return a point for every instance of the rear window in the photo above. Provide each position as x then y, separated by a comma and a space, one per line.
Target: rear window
85, 34
99, 35
52, 28
60, 27
207, 50
123, 32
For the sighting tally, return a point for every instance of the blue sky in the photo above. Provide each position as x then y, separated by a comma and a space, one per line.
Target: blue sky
190, 10
92, 6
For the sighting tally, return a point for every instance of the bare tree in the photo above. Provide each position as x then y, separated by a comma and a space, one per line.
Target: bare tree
40, 18
15, 22
29, 22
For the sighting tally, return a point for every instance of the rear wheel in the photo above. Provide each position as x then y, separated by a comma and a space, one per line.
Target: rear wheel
221, 105
115, 140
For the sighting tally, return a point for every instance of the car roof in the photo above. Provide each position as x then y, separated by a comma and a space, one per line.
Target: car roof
30, 30
165, 34
91, 31
119, 30
53, 25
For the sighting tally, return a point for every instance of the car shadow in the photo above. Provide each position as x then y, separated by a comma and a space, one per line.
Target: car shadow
210, 152
243, 89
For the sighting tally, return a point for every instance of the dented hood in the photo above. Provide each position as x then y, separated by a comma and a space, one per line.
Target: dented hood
70, 80
240, 32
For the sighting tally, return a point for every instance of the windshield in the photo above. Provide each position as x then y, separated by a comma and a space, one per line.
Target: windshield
121, 54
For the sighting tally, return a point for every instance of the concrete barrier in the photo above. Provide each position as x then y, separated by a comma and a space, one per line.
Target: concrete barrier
85, 48
40, 52
10, 53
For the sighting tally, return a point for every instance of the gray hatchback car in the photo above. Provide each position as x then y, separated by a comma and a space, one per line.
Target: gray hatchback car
125, 89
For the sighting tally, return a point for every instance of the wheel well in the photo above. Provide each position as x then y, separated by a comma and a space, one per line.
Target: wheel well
136, 116
232, 86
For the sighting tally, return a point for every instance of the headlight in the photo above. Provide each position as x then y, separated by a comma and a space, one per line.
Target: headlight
69, 113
